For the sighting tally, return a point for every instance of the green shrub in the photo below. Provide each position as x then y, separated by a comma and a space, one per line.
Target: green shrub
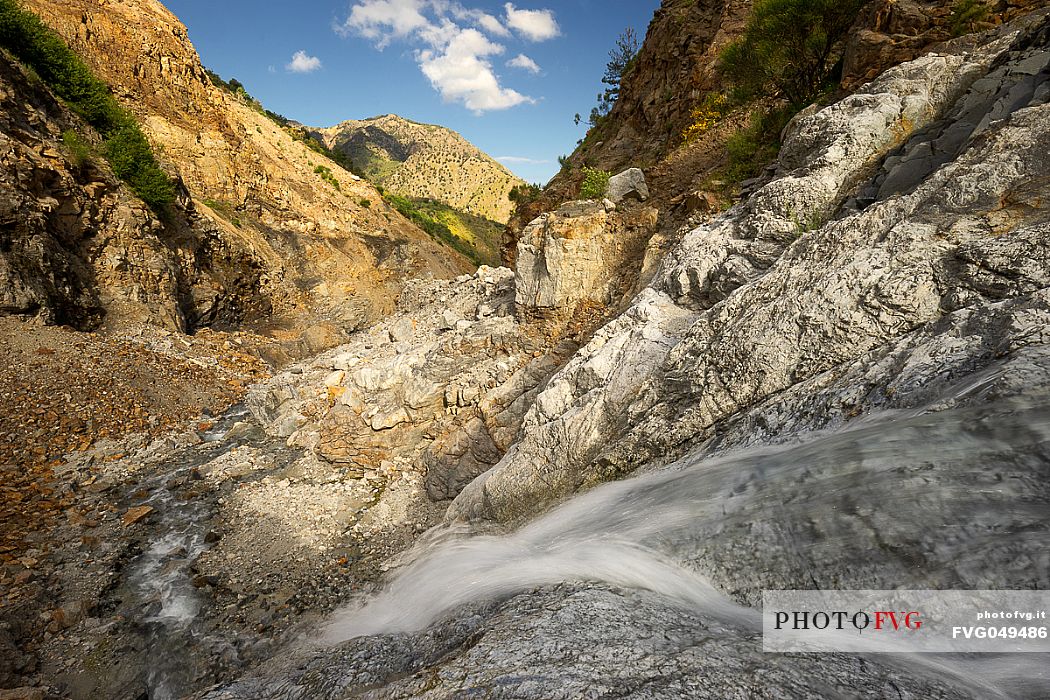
365, 203
79, 150
813, 221
125, 147
789, 48
968, 15
788, 54
226, 210
130, 156
523, 194
753, 147
328, 176
595, 183
434, 228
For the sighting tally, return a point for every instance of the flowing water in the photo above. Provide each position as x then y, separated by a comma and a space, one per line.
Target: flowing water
159, 584
966, 489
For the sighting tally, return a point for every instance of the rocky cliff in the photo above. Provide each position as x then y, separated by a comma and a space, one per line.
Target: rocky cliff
71, 235
260, 233
767, 297
676, 69
425, 161
887, 286
582, 473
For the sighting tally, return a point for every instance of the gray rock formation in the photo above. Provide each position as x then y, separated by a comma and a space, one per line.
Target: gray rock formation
846, 509
575, 254
552, 644
891, 286
768, 296
439, 388
629, 183
560, 256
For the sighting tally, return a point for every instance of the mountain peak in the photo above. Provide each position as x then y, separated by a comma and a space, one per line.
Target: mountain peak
428, 161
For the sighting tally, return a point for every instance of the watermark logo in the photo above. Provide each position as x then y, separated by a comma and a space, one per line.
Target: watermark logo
905, 621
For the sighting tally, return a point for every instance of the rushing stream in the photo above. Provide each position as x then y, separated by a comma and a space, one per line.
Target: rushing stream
952, 499
160, 581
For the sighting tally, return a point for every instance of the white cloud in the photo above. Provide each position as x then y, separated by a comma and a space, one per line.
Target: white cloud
521, 160
454, 48
492, 25
383, 20
525, 63
303, 63
534, 25
462, 73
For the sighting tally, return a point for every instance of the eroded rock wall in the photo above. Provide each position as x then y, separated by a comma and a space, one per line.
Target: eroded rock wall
76, 245
290, 243
769, 295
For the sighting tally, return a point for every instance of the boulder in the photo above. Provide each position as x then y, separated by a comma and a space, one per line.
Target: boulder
629, 183
563, 257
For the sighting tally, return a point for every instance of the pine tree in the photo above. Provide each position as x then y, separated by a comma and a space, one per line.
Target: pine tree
620, 59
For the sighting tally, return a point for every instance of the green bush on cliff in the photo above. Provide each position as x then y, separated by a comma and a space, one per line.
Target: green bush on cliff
328, 176
125, 147
130, 156
79, 150
524, 193
595, 183
414, 212
789, 49
968, 16
756, 145
787, 57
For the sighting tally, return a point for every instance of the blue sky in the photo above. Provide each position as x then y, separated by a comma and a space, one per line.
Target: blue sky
508, 76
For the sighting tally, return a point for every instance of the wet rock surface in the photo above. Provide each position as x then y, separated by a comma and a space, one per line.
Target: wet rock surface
843, 509
570, 643
757, 301
817, 338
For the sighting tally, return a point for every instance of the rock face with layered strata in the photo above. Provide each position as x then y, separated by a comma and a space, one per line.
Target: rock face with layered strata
889, 32
769, 296
577, 254
262, 232
821, 324
79, 249
441, 387
438, 389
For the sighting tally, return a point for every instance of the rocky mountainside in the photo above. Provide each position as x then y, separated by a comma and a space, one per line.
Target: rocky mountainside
267, 231
888, 285
676, 70
675, 67
424, 161
577, 477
